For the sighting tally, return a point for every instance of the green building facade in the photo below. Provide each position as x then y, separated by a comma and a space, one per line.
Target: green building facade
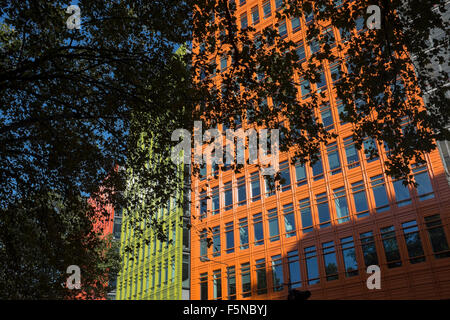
156, 270
159, 270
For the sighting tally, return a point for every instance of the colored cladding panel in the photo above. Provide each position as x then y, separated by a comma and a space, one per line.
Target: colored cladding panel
327, 222
154, 270
155, 273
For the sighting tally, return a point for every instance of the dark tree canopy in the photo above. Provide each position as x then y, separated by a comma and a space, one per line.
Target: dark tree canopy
75, 103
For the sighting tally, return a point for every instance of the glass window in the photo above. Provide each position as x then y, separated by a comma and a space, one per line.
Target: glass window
228, 196
270, 186
295, 278
317, 169
345, 34
333, 158
335, 71
229, 235
261, 278
370, 149
215, 201
202, 172
282, 29
351, 153
312, 266
295, 23
314, 46
117, 227
255, 186
258, 229
216, 241
329, 260
368, 248
327, 117
277, 273
174, 233
231, 279
360, 199
300, 50
390, 246
223, 63
204, 286
203, 243
159, 274
305, 88
242, 193
401, 193
379, 193
166, 271
436, 234
300, 174
340, 202
413, 242
172, 279
214, 168
289, 220
349, 255
257, 43
278, 4
309, 17
153, 276
186, 235
341, 111
274, 232
244, 21
255, 15
245, 280
203, 205
337, 3
267, 10
217, 285
323, 210
424, 187
321, 85
305, 214
243, 233
285, 181
360, 22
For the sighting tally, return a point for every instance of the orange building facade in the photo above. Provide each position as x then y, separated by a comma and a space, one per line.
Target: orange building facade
321, 228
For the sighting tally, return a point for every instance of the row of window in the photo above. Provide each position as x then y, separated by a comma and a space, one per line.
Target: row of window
153, 247
325, 262
350, 154
152, 280
401, 196
159, 275
295, 22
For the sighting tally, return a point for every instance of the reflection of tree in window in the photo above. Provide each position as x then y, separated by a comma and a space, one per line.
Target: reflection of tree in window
390, 246
413, 242
329, 259
261, 281
349, 255
277, 273
368, 248
437, 237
